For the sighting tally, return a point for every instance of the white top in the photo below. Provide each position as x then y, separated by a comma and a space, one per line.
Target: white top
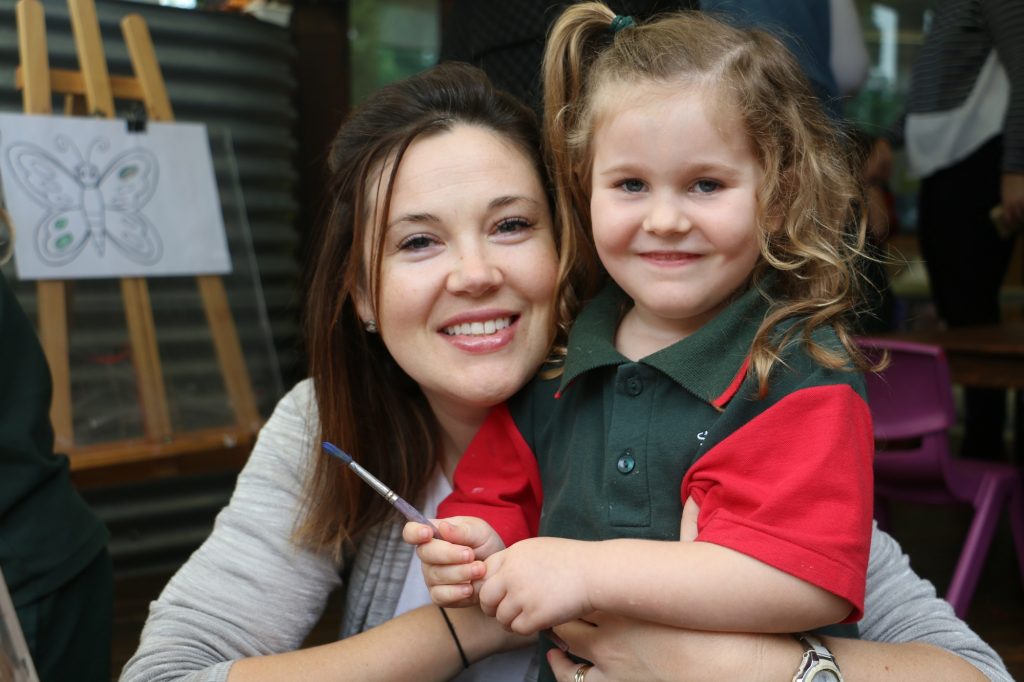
939, 139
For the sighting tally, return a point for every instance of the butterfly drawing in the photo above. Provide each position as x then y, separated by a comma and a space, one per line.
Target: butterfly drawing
86, 204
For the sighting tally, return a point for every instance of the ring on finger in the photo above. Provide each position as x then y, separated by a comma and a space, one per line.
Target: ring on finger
581, 672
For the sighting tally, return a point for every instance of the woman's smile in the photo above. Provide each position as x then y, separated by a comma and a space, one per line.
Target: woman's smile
483, 334
478, 328
468, 269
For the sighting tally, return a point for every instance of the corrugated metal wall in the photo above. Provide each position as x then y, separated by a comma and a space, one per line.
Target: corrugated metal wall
233, 73
225, 70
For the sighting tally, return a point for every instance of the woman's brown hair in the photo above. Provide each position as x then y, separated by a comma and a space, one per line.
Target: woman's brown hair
810, 202
366, 403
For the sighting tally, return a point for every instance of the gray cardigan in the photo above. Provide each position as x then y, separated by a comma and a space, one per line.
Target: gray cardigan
248, 591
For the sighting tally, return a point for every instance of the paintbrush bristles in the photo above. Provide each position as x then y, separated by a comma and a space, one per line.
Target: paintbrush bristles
333, 449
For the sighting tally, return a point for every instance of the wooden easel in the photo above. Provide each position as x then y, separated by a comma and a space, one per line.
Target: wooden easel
92, 91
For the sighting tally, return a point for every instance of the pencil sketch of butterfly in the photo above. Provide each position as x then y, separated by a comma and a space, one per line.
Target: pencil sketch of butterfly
84, 203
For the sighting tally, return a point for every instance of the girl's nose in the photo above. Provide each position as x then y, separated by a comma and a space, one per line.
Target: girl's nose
475, 273
665, 217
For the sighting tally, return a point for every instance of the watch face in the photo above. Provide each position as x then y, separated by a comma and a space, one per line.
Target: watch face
824, 676
823, 671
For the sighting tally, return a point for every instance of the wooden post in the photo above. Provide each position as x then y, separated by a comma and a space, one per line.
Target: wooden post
91, 91
51, 295
138, 312
211, 289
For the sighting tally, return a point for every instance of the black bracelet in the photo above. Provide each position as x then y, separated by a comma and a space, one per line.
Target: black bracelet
458, 644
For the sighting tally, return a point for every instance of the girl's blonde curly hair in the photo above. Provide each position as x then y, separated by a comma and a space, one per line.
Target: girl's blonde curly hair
810, 210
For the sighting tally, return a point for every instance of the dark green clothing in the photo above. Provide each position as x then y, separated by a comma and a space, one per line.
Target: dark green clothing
626, 433
622, 444
48, 535
69, 630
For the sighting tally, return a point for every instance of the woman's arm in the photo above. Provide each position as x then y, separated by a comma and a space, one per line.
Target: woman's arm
907, 634
625, 650
247, 591
901, 607
414, 646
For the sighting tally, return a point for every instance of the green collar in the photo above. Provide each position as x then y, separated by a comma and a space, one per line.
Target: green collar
707, 363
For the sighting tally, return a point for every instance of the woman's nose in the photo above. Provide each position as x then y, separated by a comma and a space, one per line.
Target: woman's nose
475, 273
665, 217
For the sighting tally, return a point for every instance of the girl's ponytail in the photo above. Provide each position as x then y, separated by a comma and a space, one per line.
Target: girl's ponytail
576, 39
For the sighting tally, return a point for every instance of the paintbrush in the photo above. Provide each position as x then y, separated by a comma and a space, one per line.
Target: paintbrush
408, 511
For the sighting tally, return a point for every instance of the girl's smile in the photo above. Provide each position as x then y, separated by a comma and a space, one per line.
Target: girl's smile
669, 258
673, 207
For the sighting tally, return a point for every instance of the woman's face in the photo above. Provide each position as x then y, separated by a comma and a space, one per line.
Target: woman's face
468, 270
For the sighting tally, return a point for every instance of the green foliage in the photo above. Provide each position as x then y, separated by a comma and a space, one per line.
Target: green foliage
389, 40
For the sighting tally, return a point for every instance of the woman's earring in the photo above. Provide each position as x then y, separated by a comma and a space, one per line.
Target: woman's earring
370, 326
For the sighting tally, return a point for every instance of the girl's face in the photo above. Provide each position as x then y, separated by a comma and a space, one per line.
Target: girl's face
468, 270
673, 206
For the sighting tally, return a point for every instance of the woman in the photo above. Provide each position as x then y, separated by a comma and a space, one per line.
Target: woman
431, 302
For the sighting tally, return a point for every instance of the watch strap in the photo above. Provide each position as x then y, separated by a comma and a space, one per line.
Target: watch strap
818, 663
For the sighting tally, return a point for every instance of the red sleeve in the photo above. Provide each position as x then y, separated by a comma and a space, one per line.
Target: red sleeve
793, 488
497, 480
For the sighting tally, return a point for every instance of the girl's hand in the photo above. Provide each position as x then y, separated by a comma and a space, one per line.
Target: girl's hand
541, 582
453, 563
538, 583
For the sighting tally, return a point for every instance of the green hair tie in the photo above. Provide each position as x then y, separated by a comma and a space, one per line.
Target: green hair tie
620, 22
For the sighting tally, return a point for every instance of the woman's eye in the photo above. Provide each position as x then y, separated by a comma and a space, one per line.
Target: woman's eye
416, 242
706, 186
632, 185
513, 225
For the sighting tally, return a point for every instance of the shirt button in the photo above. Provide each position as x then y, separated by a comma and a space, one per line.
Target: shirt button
634, 386
626, 462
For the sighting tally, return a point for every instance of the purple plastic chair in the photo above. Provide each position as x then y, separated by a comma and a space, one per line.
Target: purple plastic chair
912, 409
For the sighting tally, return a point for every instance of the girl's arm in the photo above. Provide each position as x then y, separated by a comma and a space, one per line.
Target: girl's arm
707, 586
541, 582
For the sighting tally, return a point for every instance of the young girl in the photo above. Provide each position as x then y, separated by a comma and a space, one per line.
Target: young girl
717, 366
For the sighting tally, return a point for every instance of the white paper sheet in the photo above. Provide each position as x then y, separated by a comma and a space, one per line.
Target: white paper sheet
15, 661
90, 199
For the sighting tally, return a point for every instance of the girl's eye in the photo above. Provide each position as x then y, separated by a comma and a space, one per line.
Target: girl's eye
706, 186
632, 185
416, 242
512, 225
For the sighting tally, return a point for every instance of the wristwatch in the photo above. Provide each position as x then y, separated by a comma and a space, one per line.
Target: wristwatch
818, 663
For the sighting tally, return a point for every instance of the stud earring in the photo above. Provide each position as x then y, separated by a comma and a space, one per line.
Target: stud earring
370, 326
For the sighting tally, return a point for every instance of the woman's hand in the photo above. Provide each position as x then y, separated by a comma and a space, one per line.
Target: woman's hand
453, 563
623, 650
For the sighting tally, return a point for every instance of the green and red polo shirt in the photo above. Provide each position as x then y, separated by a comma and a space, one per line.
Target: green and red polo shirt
613, 448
